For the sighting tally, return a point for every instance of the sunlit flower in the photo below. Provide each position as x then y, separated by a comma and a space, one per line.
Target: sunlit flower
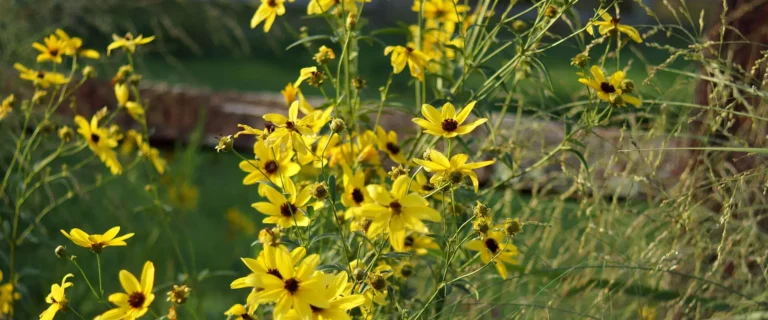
121, 93
73, 46
311, 75
7, 106
340, 301
611, 25
128, 42
57, 299
453, 170
135, 302
285, 212
322, 6
291, 94
97, 242
290, 129
7, 296
52, 51
416, 60
265, 263
151, 153
100, 141
40, 78
445, 11
493, 247
609, 90
298, 289
387, 142
267, 12
396, 212
419, 243
269, 164
136, 110
324, 55
238, 312
355, 193
446, 122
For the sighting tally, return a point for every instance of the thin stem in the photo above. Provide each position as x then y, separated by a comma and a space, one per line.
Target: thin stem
98, 265
86, 280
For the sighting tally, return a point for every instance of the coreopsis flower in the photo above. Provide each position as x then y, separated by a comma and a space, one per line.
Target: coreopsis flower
285, 212
416, 60
73, 46
396, 211
6, 106
447, 12
152, 154
453, 170
136, 110
57, 299
446, 122
610, 89
493, 248
387, 142
39, 78
128, 42
377, 293
322, 6
291, 94
97, 242
340, 301
355, 193
419, 243
611, 25
267, 12
100, 141
270, 164
122, 93
265, 263
298, 289
238, 312
422, 185
135, 302
313, 76
52, 51
324, 55
7, 296
290, 129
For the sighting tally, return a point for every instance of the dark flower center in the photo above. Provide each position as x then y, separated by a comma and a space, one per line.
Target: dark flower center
290, 125
95, 138
427, 187
393, 148
40, 75
396, 207
275, 273
272, 3
409, 240
492, 245
288, 209
270, 167
54, 52
357, 196
315, 309
409, 49
615, 21
96, 247
270, 127
607, 87
292, 285
449, 125
245, 316
136, 300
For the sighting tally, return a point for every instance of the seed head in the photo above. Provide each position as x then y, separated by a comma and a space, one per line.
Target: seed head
320, 191
481, 210
513, 226
179, 294
359, 83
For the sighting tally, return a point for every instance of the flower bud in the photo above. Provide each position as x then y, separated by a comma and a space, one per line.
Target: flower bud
225, 144
320, 191
377, 281
89, 72
359, 274
134, 79
338, 125
61, 252
351, 20
627, 86
513, 226
66, 133
426, 154
179, 294
481, 210
580, 60
397, 172
551, 12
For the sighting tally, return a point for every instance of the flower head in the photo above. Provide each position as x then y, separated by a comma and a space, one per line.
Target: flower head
135, 302
419, 243
7, 297
39, 78
57, 300
101, 141
355, 193
611, 25
52, 51
610, 89
267, 12
97, 242
289, 130
238, 312
387, 142
285, 211
73, 46
451, 170
270, 164
395, 211
324, 55
492, 247
128, 42
6, 106
416, 60
323, 6
446, 122
340, 301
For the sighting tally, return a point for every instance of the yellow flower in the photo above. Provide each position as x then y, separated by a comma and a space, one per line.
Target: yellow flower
452, 171
97, 242
146, 150
100, 141
240, 222
56, 299
135, 302
73, 46
7, 106
491, 247
340, 301
611, 25
285, 212
322, 6
445, 11
136, 111
324, 55
121, 93
289, 93
387, 142
267, 11
419, 243
268, 165
424, 187
238, 312
417, 61
290, 129
298, 289
609, 90
311, 74
127, 42
377, 281
7, 296
355, 193
51, 51
184, 195
395, 212
265, 263
446, 122
41, 79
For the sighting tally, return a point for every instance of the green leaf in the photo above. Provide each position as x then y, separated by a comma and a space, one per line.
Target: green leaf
389, 31
331, 267
308, 39
396, 255
580, 156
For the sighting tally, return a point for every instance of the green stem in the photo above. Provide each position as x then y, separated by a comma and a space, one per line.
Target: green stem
98, 264
86, 280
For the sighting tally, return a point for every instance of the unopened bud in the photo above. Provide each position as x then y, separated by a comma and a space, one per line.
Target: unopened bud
426, 154
338, 125
351, 21
66, 133
359, 274
551, 12
89, 72
519, 25
61, 252
616, 99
